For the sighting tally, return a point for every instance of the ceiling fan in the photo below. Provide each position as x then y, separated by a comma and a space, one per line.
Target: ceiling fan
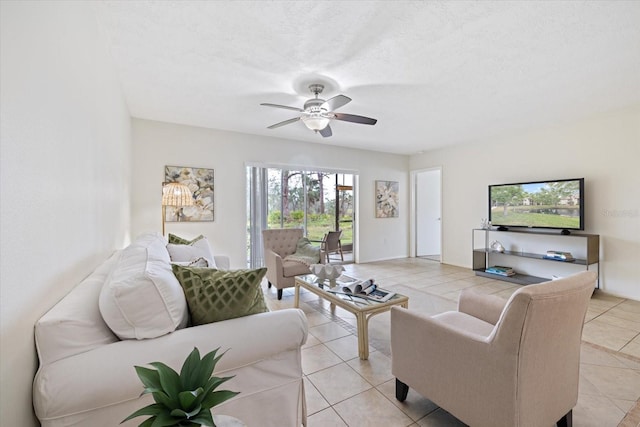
317, 113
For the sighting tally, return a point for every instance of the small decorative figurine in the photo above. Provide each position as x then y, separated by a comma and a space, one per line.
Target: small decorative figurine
497, 246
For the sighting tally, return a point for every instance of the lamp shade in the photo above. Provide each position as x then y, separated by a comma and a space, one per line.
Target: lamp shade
174, 194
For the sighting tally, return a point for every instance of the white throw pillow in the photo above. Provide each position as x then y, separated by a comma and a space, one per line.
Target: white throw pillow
188, 253
142, 297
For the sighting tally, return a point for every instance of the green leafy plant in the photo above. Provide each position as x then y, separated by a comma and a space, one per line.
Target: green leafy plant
183, 399
297, 215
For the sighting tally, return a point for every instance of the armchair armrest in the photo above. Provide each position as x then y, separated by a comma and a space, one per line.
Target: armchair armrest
424, 348
273, 262
408, 325
484, 307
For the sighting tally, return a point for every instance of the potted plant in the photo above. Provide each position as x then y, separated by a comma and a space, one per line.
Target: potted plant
183, 399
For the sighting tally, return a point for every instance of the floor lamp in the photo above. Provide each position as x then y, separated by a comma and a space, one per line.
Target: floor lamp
174, 194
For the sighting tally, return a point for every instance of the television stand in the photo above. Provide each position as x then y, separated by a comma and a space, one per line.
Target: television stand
565, 232
501, 228
585, 248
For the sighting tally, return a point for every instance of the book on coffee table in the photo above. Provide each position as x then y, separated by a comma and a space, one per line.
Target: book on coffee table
352, 286
366, 289
380, 295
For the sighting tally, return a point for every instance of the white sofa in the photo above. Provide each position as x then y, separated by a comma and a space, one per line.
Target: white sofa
86, 375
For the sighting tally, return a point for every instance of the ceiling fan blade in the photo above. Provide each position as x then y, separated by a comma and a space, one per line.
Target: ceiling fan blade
335, 102
266, 104
355, 119
326, 132
286, 122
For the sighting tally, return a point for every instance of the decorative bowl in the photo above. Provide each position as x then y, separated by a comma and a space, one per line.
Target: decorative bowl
327, 271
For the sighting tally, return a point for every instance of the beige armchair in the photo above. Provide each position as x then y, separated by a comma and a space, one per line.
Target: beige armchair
278, 243
497, 363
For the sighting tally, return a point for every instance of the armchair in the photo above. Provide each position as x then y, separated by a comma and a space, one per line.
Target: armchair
278, 243
497, 363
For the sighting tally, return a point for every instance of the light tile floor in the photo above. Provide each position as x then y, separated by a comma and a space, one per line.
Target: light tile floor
342, 390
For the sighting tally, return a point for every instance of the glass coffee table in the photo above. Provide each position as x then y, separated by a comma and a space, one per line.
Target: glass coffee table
362, 308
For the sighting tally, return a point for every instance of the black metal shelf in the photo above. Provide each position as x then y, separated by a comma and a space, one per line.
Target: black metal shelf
533, 256
480, 256
520, 279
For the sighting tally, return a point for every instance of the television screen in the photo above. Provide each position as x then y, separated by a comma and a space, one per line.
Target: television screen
541, 204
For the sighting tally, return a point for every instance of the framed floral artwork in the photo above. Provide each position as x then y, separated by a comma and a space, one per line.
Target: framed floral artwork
387, 199
200, 182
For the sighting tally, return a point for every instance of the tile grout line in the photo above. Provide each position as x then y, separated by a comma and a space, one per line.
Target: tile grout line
621, 327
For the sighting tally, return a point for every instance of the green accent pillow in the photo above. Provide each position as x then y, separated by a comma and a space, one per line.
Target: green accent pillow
177, 240
215, 295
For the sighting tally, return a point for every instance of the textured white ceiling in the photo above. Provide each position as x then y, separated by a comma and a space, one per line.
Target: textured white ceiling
433, 73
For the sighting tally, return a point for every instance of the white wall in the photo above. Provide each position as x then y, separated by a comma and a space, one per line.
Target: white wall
66, 179
65, 149
604, 150
159, 144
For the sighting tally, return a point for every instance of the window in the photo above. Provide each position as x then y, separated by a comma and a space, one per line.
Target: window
316, 201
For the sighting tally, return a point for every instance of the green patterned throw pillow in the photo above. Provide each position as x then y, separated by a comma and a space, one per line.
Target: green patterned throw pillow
177, 240
215, 295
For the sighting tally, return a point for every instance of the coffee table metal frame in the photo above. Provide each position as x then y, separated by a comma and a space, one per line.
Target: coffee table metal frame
363, 312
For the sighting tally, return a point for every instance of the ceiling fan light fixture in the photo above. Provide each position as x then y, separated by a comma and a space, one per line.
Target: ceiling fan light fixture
317, 113
315, 121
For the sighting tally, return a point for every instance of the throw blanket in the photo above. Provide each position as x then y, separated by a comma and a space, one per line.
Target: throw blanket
305, 253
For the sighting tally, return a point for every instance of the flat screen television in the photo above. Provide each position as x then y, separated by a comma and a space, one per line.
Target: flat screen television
557, 204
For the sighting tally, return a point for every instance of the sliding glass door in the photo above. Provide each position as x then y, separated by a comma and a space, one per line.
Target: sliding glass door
315, 201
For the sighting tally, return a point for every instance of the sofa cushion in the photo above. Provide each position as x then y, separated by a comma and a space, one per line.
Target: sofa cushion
177, 240
190, 252
294, 268
215, 295
74, 325
142, 298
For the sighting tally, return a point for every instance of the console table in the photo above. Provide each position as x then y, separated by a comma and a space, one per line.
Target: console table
585, 246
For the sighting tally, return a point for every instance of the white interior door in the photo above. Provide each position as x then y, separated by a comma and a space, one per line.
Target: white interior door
428, 213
